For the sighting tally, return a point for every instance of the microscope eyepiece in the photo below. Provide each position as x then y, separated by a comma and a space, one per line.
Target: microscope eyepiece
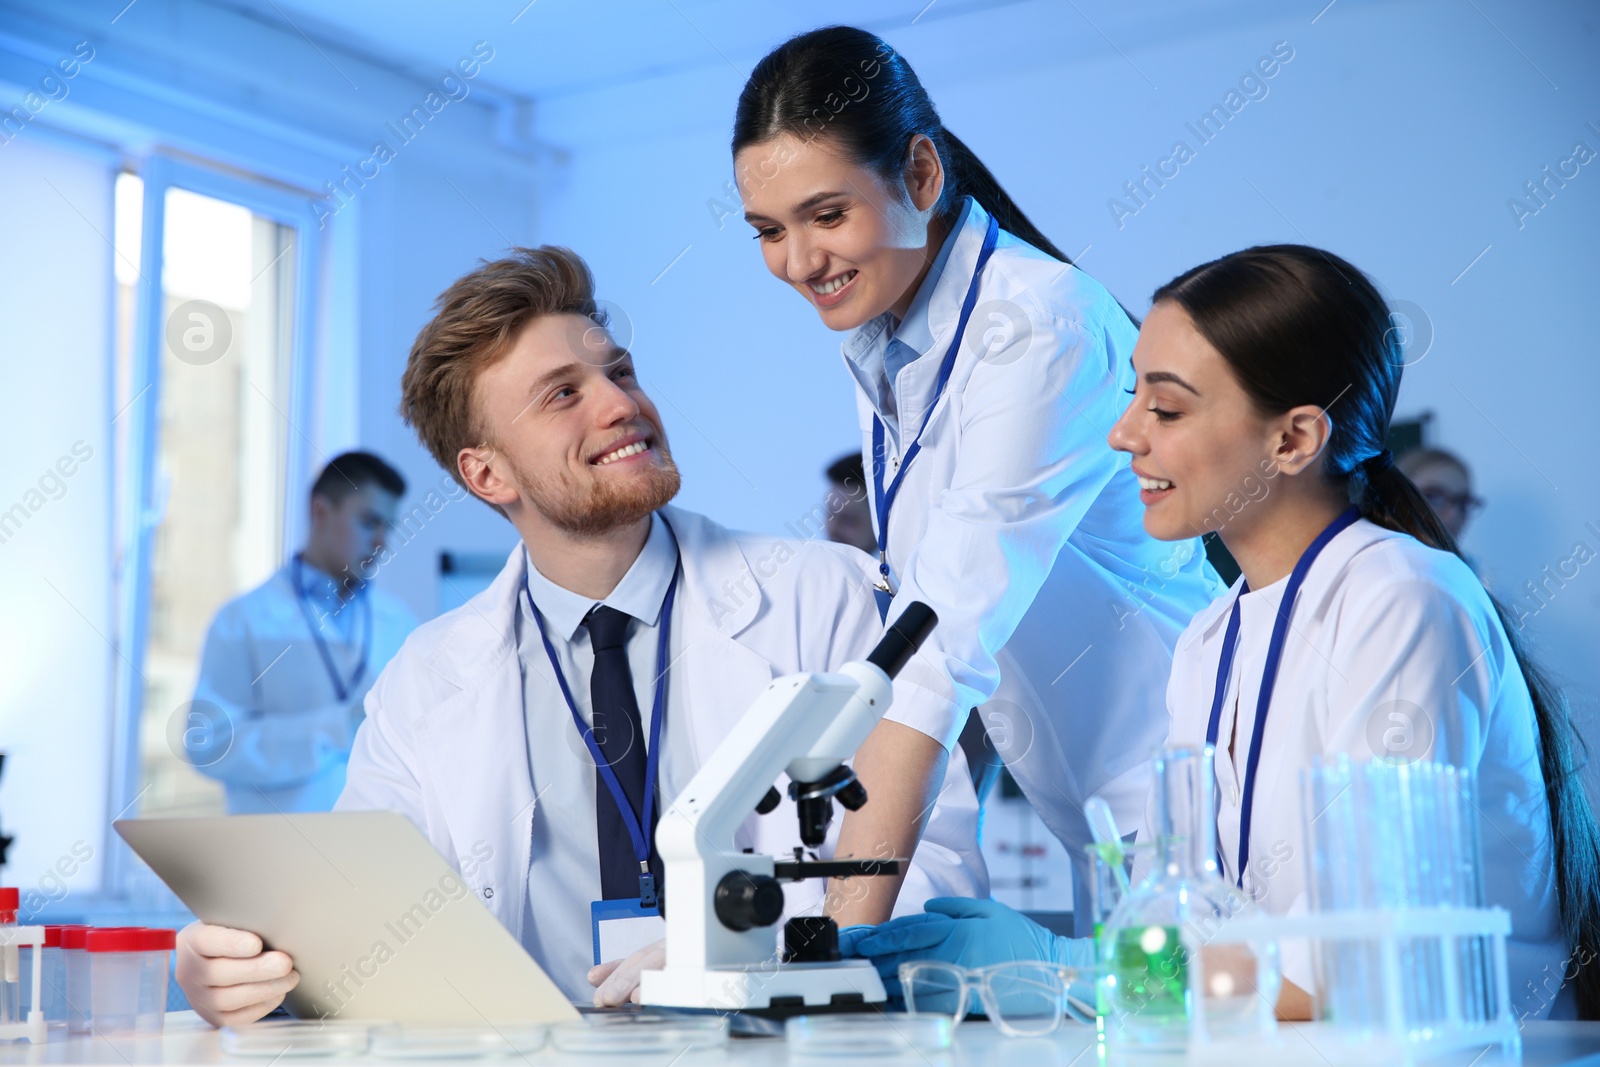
904, 637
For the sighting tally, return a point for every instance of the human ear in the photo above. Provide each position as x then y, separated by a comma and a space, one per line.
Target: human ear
924, 173
483, 476
1302, 436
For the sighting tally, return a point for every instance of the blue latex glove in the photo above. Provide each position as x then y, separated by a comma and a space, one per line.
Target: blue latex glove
964, 931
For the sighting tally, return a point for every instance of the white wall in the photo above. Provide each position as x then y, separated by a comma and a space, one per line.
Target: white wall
1394, 137
55, 515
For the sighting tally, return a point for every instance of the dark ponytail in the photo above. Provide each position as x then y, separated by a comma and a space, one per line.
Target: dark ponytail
849, 86
1301, 326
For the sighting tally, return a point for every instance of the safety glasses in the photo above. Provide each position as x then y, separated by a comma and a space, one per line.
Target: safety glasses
1022, 999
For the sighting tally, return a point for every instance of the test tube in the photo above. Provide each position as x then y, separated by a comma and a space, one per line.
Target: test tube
10, 961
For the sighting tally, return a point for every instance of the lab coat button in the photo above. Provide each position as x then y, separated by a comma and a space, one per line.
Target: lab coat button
488, 892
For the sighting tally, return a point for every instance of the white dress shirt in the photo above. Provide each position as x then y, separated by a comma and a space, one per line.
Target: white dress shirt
1380, 618
287, 732
566, 855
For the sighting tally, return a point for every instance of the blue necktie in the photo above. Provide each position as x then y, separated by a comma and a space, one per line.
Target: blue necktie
619, 731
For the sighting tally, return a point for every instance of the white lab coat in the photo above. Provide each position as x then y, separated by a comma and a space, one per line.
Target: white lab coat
445, 740
1381, 619
1023, 529
291, 734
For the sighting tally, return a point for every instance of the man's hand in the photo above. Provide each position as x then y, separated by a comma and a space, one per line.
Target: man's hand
228, 979
617, 981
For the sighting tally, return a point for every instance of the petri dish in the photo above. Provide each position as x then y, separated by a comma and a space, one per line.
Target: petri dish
296, 1037
425, 1041
868, 1035
609, 1034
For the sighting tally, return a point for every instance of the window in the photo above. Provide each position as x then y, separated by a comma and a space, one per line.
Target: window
212, 372
227, 308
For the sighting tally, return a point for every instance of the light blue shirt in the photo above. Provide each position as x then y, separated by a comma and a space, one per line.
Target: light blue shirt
564, 867
912, 338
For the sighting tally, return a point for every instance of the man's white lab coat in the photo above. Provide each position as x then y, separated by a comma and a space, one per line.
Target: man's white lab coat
445, 742
276, 732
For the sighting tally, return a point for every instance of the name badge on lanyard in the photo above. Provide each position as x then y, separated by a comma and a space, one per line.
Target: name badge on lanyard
341, 688
620, 928
884, 590
1269, 675
637, 822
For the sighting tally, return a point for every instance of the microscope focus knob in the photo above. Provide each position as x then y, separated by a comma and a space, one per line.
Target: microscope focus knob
744, 900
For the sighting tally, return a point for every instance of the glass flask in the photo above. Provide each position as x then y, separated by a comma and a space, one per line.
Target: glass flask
1164, 984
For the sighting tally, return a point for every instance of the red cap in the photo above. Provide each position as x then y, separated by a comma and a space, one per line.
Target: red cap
130, 939
52, 934
10, 898
77, 936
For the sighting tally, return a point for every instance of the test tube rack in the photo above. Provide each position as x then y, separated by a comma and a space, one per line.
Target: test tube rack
13, 938
1474, 1015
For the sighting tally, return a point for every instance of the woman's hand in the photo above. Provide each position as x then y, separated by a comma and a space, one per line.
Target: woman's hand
963, 931
1294, 1003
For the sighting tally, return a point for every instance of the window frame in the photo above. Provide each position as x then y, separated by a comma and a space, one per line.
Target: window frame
287, 207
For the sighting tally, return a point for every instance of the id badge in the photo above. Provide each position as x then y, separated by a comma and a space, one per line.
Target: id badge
622, 927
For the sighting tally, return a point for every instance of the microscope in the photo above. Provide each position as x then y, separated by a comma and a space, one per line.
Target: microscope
721, 953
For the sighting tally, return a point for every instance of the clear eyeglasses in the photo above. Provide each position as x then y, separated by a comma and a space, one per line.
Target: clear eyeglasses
1022, 999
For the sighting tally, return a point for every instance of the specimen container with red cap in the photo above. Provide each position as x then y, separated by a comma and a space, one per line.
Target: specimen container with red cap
75, 954
128, 970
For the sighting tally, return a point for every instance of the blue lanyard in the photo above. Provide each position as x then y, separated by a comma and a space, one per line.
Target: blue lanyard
636, 822
340, 686
1269, 673
885, 497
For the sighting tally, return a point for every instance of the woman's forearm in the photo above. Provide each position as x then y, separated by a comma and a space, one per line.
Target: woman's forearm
902, 770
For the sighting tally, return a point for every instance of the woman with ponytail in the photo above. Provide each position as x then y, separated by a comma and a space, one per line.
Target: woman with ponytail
1266, 382
988, 369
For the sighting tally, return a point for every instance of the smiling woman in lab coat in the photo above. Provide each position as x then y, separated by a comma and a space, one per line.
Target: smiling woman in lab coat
988, 370
1266, 381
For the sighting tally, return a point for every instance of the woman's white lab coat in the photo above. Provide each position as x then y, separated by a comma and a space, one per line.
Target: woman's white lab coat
1393, 650
1023, 529
445, 740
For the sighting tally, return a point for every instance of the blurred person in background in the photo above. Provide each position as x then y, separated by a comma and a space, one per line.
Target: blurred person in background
287, 665
849, 514
1446, 483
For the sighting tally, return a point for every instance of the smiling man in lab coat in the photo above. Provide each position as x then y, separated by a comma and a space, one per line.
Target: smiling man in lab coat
614, 609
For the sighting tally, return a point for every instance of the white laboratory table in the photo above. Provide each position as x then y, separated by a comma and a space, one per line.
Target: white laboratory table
188, 1040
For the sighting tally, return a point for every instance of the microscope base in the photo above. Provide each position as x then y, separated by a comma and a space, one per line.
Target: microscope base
785, 989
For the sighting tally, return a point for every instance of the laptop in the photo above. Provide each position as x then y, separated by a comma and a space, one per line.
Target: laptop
380, 927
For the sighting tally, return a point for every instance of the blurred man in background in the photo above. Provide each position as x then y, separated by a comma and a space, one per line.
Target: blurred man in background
287, 665
849, 515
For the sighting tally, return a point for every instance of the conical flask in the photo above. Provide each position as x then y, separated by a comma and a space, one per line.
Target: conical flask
1164, 983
